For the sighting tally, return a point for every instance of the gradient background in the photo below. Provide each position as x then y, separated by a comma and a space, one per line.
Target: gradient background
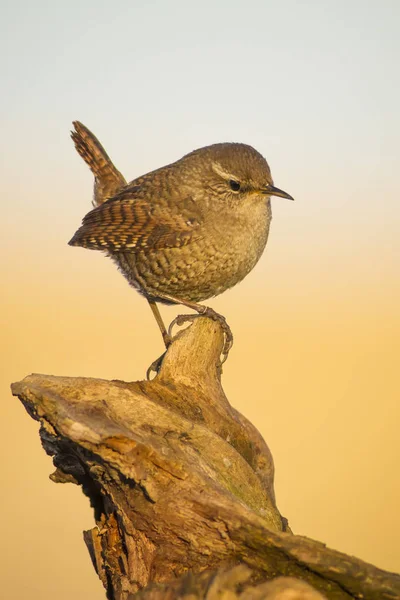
314, 86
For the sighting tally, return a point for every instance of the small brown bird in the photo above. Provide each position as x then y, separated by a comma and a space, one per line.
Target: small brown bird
185, 232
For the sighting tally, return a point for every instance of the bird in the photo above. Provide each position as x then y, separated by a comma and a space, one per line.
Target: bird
185, 232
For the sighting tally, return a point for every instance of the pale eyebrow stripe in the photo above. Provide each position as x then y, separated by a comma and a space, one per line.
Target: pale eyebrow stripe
216, 167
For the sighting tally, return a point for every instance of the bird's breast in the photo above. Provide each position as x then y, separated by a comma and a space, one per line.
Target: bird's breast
244, 232
234, 242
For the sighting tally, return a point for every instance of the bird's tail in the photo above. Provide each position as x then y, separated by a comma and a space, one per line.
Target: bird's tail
107, 179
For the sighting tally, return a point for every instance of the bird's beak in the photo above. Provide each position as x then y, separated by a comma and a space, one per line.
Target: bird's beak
270, 190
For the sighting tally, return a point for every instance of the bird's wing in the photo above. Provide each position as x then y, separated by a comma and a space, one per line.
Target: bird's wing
126, 223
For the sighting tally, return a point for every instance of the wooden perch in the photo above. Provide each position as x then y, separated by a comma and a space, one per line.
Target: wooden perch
182, 487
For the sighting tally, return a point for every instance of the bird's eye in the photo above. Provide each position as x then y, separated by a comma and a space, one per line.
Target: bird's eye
234, 185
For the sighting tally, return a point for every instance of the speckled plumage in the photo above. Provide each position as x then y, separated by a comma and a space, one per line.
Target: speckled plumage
182, 233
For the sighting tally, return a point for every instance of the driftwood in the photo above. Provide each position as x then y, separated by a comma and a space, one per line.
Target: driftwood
182, 487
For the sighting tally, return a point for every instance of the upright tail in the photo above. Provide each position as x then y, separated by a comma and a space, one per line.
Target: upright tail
107, 179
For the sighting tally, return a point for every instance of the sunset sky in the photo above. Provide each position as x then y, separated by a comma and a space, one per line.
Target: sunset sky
314, 86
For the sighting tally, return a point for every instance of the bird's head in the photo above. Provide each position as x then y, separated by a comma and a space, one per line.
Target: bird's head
235, 171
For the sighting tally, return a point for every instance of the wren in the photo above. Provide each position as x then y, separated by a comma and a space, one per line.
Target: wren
185, 232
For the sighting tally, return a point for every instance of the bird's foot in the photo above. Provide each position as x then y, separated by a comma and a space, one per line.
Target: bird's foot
212, 314
155, 366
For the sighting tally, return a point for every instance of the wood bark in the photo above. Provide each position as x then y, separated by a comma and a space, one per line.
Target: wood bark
182, 487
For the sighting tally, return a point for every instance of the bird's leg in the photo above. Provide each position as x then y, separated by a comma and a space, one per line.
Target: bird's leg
204, 311
166, 337
156, 365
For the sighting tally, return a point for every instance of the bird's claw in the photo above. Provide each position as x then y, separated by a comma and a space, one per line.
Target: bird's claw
212, 314
155, 367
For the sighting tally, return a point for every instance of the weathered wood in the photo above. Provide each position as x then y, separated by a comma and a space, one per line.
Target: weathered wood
230, 584
182, 486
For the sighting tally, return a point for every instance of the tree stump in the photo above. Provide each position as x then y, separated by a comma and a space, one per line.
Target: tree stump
182, 487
